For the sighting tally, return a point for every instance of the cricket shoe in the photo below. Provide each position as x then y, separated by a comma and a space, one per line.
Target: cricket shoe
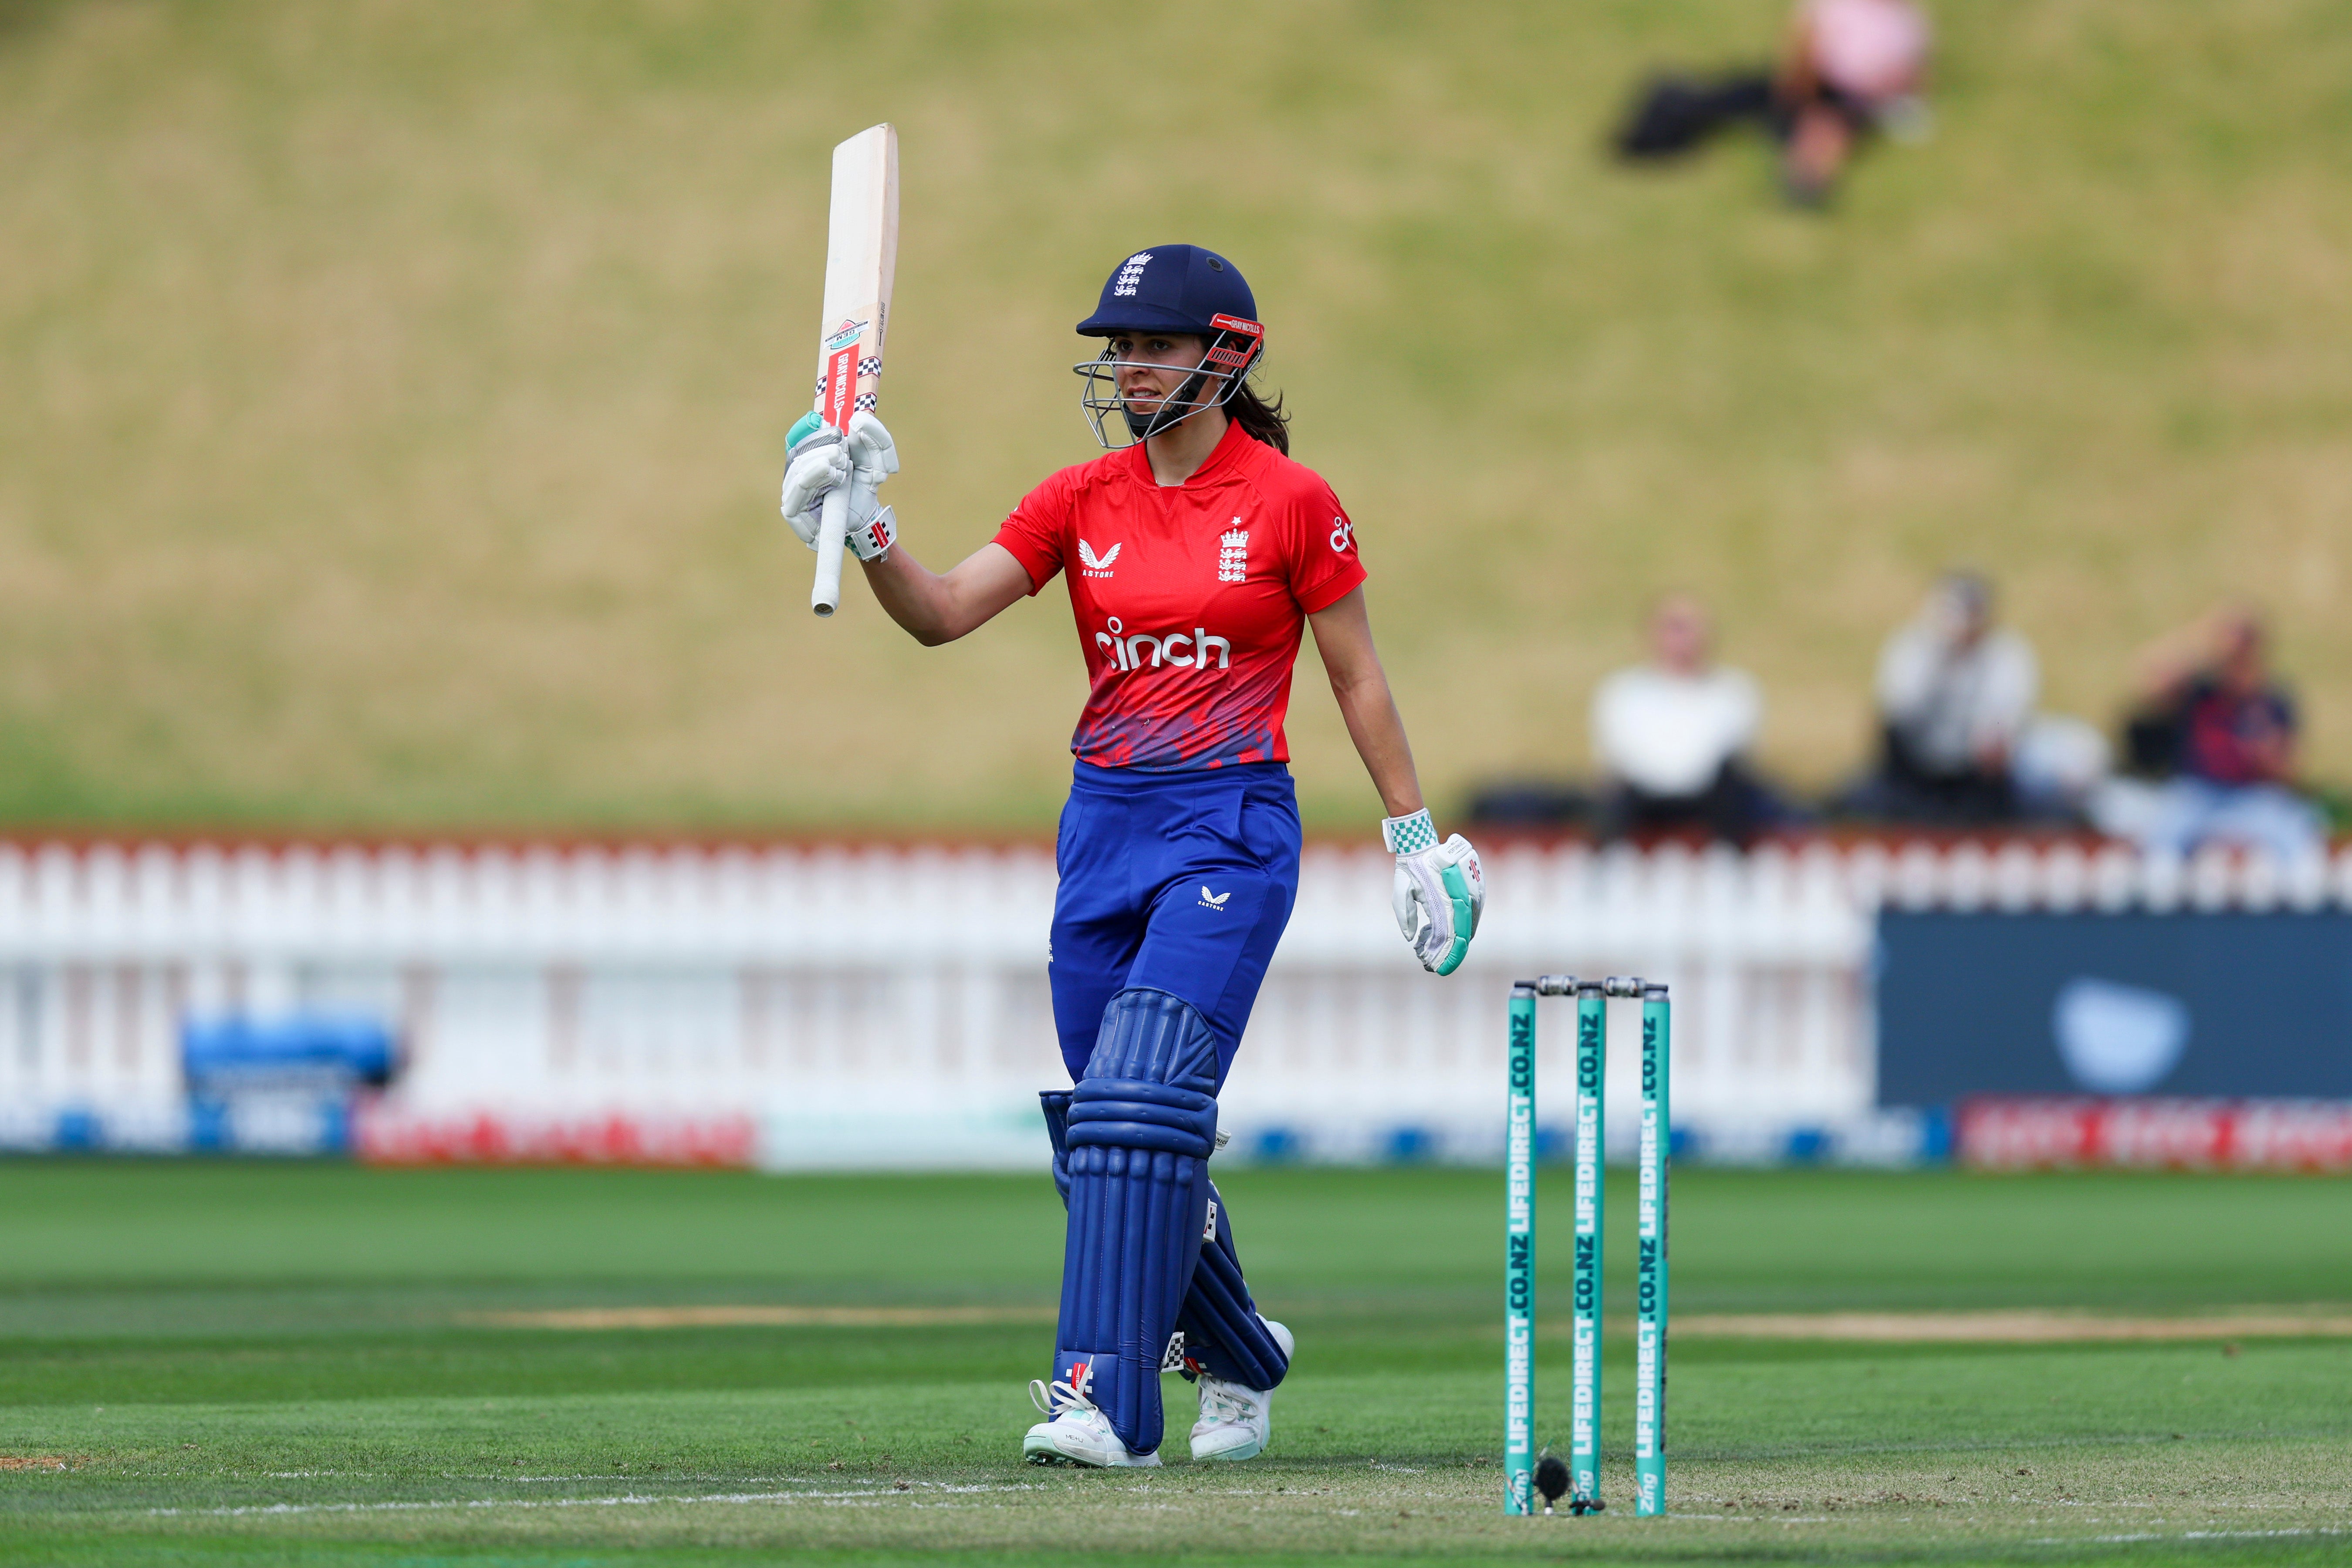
1237, 1423
1075, 1433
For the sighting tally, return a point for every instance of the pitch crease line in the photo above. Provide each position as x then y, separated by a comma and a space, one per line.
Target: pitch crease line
623, 1501
593, 1319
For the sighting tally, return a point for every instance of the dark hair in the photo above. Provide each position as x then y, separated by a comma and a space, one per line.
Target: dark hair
1260, 420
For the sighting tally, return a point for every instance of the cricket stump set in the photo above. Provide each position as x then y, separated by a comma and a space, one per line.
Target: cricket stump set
1523, 1475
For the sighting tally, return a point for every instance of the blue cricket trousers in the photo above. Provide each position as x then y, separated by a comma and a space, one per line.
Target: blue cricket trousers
1181, 882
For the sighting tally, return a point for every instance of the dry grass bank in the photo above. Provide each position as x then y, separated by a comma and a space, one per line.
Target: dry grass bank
394, 393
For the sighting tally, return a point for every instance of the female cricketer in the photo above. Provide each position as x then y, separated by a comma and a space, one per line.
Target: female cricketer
1196, 552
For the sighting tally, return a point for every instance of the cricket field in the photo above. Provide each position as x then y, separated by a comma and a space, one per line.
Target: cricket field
269, 1363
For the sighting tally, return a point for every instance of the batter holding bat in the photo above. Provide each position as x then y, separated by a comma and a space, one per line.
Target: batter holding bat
1196, 553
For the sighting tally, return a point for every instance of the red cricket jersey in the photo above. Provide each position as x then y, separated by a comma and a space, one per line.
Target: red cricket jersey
1190, 598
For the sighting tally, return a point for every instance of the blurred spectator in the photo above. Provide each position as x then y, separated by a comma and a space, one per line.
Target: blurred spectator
2218, 731
1672, 735
2058, 768
1850, 68
1521, 804
1674, 114
1955, 695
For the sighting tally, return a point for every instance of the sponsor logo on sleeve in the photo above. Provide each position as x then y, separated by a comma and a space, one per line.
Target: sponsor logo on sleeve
1343, 534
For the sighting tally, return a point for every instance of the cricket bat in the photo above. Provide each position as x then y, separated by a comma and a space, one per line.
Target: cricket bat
861, 254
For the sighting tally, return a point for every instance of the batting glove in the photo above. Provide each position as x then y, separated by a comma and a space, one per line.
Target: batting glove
1439, 890
821, 459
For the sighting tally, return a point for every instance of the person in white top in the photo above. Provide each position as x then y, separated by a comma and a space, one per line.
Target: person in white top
1670, 735
1956, 692
1851, 67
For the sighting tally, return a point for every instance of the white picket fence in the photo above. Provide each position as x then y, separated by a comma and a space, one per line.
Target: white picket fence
870, 1005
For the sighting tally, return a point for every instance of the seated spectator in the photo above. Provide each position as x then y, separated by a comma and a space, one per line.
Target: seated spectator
1851, 67
2220, 731
1955, 694
1672, 735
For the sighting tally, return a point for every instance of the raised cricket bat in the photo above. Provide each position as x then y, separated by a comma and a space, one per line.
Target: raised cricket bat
861, 254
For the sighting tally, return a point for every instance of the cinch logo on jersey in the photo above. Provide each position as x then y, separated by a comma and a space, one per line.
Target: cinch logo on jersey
1184, 650
1131, 273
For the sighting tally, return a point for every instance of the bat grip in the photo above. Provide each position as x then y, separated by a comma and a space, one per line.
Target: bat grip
832, 535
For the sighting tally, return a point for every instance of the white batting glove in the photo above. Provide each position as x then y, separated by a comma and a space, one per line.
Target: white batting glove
870, 447
1439, 893
821, 460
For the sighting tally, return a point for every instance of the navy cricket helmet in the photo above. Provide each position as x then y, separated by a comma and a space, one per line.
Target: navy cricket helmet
1171, 289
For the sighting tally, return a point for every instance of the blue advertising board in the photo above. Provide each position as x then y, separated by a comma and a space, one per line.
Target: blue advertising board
2226, 1004
282, 1085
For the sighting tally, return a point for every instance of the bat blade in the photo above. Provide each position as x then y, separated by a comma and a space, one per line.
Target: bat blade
861, 259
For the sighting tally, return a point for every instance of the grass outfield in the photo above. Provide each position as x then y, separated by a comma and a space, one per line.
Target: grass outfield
290, 1364
395, 393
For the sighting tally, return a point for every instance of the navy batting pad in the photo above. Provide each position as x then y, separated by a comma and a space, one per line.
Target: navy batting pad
1140, 1128
1224, 1335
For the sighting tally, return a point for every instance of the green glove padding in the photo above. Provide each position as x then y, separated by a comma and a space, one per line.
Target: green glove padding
1465, 918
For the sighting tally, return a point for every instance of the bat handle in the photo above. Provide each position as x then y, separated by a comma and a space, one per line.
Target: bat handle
832, 535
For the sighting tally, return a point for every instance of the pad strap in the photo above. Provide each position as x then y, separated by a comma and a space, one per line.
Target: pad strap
1130, 1113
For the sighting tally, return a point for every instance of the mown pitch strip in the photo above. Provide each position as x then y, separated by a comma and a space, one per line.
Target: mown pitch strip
569, 1367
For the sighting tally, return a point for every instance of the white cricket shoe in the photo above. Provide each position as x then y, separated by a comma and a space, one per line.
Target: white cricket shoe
1075, 1433
1237, 1423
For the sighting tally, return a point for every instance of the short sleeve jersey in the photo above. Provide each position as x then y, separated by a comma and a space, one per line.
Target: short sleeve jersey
1190, 598
2230, 738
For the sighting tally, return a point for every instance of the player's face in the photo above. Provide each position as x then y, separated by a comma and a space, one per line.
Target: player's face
1154, 364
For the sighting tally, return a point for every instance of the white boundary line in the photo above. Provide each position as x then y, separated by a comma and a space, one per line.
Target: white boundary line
624, 1500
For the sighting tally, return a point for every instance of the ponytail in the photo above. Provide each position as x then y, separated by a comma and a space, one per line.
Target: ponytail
1259, 420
